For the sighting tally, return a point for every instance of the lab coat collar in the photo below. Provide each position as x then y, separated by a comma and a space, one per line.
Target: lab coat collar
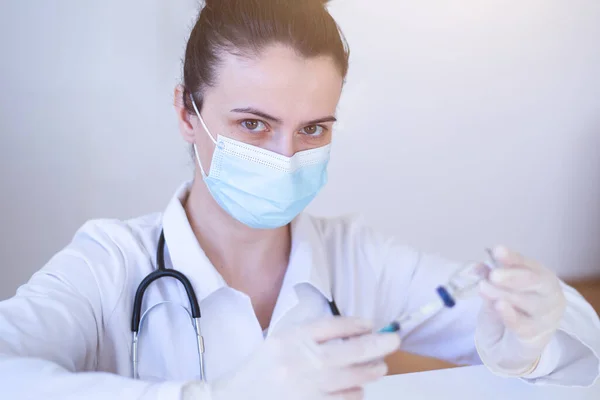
185, 252
307, 264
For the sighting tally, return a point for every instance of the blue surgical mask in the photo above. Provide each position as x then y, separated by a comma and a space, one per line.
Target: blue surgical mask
258, 187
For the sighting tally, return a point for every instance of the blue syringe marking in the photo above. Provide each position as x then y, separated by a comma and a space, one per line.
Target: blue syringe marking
446, 297
390, 328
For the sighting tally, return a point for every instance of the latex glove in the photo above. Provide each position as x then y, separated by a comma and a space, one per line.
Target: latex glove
523, 306
308, 364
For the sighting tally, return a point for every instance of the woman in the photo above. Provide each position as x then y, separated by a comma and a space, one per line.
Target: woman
262, 79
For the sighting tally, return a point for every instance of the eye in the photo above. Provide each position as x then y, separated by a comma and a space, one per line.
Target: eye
313, 130
254, 125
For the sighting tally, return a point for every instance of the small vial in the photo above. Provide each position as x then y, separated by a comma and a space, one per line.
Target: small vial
460, 285
463, 282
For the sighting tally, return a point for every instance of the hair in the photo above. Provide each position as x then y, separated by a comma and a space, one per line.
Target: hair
246, 27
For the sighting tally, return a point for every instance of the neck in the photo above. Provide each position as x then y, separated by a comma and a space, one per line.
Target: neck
236, 250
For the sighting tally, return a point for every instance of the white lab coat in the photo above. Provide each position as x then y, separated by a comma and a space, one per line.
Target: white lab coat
66, 334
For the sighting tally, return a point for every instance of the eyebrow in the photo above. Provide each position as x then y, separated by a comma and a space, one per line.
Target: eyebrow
250, 110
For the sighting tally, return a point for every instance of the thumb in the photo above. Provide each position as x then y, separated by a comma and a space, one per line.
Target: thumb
338, 328
490, 327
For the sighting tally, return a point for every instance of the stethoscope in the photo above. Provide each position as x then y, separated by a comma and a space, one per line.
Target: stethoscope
138, 317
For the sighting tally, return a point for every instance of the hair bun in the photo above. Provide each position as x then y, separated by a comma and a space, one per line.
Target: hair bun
210, 3
215, 3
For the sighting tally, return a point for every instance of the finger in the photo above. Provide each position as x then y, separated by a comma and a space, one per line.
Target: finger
490, 323
504, 256
517, 279
359, 350
350, 394
510, 316
532, 311
338, 328
488, 308
530, 304
354, 376
535, 304
509, 258
524, 328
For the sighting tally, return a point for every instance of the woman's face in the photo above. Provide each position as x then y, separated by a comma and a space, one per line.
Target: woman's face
280, 101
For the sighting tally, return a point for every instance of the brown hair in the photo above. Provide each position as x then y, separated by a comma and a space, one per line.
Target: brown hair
245, 27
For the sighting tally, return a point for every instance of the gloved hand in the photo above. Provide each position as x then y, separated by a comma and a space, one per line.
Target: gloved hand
308, 363
523, 306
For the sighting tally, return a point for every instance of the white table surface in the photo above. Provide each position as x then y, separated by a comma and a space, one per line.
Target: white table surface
468, 383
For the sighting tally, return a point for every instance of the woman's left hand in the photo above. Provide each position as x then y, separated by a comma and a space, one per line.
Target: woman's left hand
523, 306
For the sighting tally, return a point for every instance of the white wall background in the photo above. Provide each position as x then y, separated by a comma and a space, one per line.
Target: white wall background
463, 123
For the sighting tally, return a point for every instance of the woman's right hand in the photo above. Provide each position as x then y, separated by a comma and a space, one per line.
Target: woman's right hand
310, 363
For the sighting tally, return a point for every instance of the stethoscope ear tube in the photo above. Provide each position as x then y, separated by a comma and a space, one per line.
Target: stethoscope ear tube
160, 273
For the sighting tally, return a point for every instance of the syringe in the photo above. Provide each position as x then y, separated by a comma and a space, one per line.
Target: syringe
460, 284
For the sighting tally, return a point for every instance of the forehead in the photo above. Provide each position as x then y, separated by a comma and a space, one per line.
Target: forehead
279, 81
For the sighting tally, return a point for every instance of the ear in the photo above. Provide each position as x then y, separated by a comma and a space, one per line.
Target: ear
186, 127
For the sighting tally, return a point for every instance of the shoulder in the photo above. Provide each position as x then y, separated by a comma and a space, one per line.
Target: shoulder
351, 237
103, 240
342, 225
104, 255
345, 229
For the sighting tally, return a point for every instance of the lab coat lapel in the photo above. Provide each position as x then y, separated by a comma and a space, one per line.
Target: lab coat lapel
184, 251
307, 266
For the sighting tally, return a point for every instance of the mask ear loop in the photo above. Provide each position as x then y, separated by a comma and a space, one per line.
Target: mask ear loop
205, 129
